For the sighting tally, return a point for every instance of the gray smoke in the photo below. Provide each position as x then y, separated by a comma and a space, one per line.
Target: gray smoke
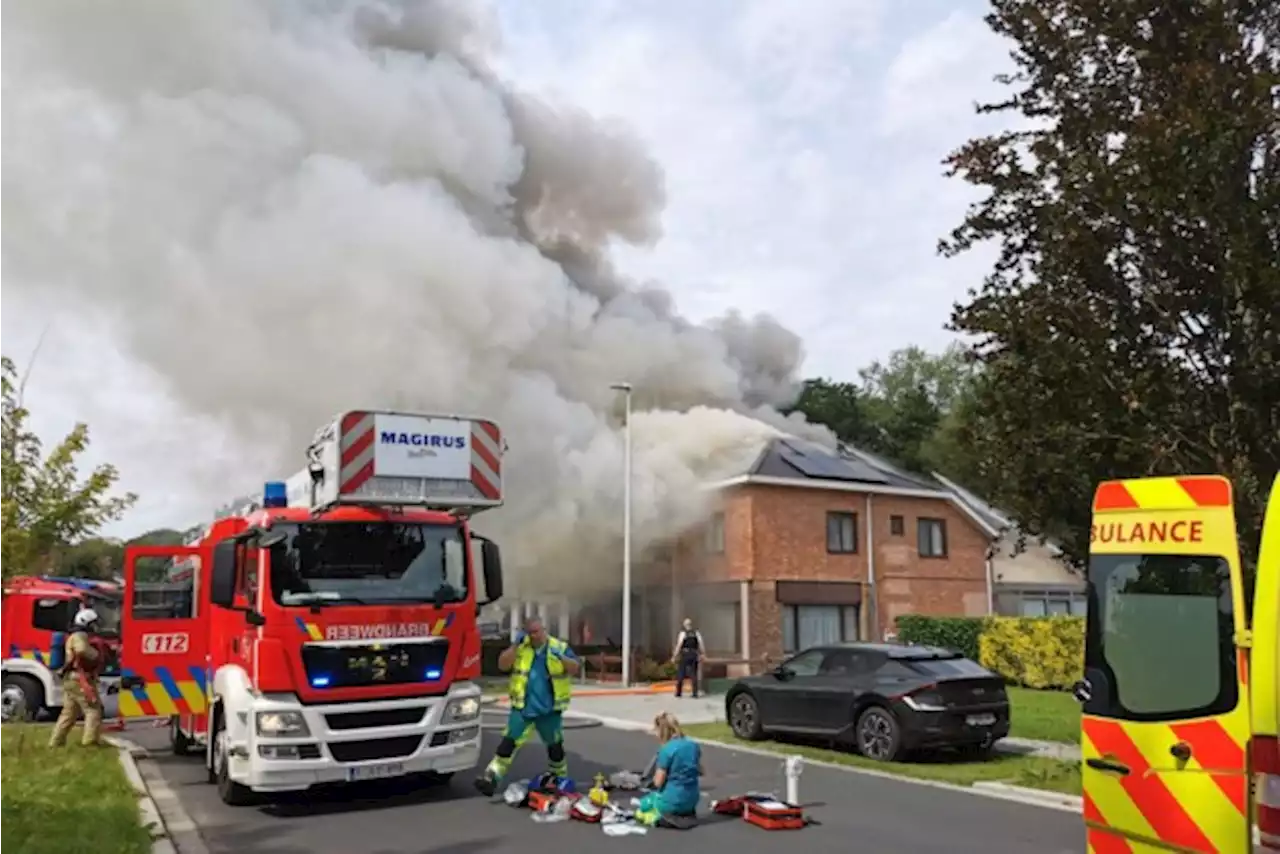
289, 209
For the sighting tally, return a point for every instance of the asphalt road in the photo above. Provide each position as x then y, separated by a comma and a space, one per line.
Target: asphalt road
855, 812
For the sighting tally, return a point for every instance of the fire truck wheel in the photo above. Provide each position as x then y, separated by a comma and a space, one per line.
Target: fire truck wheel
232, 793
23, 697
182, 746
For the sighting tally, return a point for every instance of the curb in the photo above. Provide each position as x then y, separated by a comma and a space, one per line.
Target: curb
147, 810
1038, 797
998, 791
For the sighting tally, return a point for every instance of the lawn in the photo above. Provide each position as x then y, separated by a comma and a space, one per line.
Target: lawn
1044, 715
1031, 771
72, 800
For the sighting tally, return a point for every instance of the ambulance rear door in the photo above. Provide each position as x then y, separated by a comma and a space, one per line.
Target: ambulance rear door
1165, 693
164, 637
1265, 678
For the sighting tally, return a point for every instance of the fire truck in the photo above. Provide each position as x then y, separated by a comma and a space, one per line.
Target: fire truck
1181, 700
329, 629
37, 613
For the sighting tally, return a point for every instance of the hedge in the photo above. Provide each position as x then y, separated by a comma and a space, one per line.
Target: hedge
1036, 652
958, 633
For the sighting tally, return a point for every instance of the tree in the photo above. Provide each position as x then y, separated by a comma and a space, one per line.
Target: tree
918, 399
908, 408
1130, 324
44, 505
840, 406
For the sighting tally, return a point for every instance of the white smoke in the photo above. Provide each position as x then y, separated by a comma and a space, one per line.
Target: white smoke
288, 209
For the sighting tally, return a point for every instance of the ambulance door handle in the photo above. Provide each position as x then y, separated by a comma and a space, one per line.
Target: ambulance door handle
1109, 766
128, 683
1181, 751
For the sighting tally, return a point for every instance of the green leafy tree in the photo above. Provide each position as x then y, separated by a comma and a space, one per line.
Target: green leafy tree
46, 507
1131, 323
840, 406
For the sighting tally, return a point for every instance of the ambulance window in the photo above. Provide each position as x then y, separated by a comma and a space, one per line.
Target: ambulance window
1161, 631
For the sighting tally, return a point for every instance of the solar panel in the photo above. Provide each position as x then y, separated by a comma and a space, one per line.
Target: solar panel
813, 461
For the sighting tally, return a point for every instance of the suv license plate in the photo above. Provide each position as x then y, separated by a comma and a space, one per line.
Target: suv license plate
980, 720
375, 772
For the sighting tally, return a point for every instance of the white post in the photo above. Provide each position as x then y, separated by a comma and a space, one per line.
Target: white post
793, 766
626, 549
562, 627
625, 388
543, 614
515, 620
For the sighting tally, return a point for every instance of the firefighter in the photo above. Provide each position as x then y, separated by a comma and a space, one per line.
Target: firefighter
86, 656
541, 668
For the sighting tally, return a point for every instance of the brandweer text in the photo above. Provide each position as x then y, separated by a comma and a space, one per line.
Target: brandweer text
1147, 532
422, 440
376, 631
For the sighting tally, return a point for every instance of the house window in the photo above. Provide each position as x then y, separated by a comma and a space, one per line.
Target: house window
52, 615
715, 535
721, 626
897, 526
842, 533
931, 537
1052, 605
804, 626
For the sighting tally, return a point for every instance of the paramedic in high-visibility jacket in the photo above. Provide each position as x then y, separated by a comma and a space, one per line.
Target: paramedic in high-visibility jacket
541, 668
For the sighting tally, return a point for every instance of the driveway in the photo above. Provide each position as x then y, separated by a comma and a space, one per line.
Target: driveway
854, 811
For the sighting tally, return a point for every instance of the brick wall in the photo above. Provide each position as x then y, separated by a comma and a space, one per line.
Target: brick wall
775, 533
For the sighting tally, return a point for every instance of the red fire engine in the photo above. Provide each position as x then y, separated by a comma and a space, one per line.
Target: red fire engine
37, 612
329, 634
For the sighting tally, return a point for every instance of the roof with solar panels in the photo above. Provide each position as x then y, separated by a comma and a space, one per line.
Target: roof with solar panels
791, 459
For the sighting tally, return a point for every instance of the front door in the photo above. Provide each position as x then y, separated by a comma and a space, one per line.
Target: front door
163, 634
1166, 707
1264, 676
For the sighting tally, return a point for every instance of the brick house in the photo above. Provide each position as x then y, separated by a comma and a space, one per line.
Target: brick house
812, 546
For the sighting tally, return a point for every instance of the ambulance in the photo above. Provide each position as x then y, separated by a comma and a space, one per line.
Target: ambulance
1179, 695
328, 631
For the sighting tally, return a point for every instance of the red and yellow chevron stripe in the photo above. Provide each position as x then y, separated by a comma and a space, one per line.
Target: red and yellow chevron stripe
1158, 801
1163, 493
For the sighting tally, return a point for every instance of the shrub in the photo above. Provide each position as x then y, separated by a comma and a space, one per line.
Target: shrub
958, 633
649, 670
1038, 652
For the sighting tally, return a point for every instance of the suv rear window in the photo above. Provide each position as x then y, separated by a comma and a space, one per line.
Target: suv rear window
1161, 634
954, 667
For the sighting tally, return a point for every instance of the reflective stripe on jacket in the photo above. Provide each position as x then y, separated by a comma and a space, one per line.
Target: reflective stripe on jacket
561, 684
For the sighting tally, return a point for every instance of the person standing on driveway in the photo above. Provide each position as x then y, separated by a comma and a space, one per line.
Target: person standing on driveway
541, 668
85, 659
688, 657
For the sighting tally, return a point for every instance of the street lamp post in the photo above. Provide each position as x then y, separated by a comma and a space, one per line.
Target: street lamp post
625, 388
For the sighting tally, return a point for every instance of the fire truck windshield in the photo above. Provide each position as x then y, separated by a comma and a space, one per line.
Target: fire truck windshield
368, 563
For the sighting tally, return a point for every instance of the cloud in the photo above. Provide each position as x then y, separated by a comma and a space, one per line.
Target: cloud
799, 148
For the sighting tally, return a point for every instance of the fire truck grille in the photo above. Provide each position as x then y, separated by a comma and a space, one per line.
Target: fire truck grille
374, 663
381, 717
374, 748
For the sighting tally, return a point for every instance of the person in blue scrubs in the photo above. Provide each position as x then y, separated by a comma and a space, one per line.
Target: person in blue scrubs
677, 777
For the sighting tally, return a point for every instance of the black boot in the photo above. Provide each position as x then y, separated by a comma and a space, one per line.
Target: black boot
487, 783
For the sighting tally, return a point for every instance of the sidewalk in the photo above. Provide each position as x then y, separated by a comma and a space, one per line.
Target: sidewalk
639, 710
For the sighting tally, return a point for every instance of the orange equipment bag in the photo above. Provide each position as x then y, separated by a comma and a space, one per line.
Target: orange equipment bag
773, 815
541, 801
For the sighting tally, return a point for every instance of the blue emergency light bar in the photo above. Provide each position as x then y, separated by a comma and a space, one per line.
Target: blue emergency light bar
81, 583
275, 494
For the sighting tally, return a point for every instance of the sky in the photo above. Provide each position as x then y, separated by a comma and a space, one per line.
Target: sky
802, 147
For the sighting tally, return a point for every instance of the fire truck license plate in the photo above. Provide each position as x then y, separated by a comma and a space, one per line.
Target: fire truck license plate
980, 720
375, 772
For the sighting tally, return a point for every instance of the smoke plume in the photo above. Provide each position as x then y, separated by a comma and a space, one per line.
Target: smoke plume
289, 209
